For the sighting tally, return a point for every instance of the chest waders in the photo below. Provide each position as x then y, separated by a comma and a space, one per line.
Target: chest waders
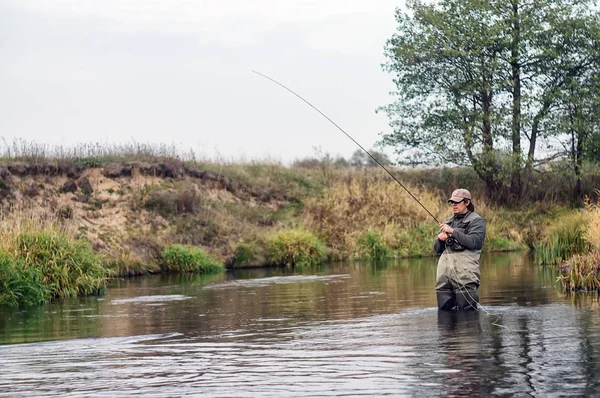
458, 276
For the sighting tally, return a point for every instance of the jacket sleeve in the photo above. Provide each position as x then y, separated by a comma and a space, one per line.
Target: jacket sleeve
439, 246
473, 239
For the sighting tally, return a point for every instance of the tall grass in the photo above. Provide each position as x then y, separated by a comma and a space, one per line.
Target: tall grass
40, 260
372, 246
592, 233
582, 271
180, 258
295, 247
69, 266
91, 154
349, 208
20, 284
565, 239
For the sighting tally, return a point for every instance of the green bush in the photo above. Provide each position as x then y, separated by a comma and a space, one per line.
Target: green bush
565, 240
416, 241
69, 267
295, 248
45, 265
20, 284
245, 254
179, 258
372, 246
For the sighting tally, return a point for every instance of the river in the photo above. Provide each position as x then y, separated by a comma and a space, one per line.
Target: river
340, 330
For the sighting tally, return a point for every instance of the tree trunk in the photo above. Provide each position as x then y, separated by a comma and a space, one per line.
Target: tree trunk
515, 183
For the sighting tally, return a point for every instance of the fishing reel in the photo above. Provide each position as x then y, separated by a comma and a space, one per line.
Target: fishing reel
454, 245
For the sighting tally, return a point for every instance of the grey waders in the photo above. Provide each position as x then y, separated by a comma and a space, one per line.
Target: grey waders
457, 281
458, 267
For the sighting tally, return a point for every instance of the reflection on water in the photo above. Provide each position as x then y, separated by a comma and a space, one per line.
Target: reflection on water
345, 329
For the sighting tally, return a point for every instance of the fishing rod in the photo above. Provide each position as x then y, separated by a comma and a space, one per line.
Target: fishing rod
348, 135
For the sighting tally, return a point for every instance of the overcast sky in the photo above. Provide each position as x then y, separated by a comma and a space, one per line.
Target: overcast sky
178, 71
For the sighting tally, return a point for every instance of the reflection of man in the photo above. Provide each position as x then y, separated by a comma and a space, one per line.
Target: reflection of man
459, 243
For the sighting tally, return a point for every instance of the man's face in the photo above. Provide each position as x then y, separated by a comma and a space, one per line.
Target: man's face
459, 207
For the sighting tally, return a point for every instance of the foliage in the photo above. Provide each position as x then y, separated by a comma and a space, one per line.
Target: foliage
295, 247
38, 265
69, 266
246, 254
372, 246
350, 207
20, 284
477, 79
581, 272
179, 258
565, 239
416, 241
592, 233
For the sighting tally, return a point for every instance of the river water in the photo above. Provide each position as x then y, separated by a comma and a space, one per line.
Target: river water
340, 330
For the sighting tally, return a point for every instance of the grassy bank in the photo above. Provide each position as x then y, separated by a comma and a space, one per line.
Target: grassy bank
581, 271
145, 210
43, 262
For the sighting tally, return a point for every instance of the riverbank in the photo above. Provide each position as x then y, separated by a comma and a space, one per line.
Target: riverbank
128, 212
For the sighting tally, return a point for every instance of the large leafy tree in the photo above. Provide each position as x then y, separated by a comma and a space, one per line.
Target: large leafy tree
476, 81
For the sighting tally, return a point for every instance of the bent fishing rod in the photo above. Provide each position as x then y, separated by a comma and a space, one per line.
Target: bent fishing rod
348, 135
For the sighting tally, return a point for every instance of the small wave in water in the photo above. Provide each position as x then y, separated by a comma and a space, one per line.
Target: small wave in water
150, 299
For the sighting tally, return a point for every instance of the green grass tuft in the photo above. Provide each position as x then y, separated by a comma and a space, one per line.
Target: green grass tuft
69, 266
46, 265
372, 246
245, 254
564, 240
20, 284
295, 247
179, 258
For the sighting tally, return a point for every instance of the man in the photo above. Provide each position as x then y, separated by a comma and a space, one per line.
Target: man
459, 242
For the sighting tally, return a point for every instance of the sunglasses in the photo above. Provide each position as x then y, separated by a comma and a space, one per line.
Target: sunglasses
451, 202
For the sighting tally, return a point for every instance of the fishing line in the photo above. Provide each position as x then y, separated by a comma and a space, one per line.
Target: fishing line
478, 307
353, 140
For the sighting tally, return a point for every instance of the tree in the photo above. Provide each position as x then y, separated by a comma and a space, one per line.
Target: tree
478, 79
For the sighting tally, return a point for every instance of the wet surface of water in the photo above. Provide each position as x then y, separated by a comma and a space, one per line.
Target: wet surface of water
342, 330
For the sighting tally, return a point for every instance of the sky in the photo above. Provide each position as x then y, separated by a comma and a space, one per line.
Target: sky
178, 72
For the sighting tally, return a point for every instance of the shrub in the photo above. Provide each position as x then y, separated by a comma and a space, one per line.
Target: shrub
416, 241
20, 284
69, 267
581, 272
360, 204
295, 247
565, 239
245, 254
179, 258
371, 245
592, 234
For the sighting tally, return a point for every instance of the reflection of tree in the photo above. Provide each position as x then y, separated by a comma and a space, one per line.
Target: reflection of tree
64, 319
511, 278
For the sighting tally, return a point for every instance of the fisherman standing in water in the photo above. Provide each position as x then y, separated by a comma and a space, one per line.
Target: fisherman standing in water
459, 243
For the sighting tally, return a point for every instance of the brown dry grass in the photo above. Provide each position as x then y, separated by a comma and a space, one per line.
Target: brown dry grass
592, 234
350, 208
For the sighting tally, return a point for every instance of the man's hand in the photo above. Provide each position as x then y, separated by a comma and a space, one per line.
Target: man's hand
447, 229
442, 236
